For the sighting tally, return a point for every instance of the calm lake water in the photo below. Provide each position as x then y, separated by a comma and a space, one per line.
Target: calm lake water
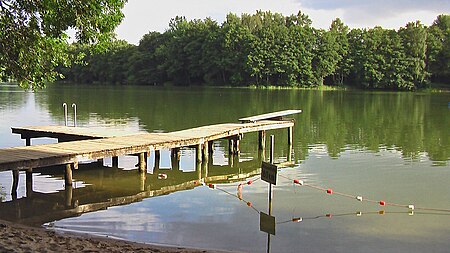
379, 145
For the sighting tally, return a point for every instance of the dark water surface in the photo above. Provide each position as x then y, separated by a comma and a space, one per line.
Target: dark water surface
379, 145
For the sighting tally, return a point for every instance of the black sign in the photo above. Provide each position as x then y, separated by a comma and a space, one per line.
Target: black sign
266, 223
269, 173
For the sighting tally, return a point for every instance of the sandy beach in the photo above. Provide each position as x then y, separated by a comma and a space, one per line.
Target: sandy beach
20, 238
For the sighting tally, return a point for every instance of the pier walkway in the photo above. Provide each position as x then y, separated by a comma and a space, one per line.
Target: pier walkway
83, 144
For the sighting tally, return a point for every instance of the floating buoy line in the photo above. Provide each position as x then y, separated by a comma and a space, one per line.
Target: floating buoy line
360, 198
239, 195
357, 214
412, 209
327, 216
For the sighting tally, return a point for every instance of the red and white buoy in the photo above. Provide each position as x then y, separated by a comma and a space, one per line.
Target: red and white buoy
162, 176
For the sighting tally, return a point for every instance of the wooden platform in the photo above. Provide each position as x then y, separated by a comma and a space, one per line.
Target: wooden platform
99, 145
66, 133
270, 116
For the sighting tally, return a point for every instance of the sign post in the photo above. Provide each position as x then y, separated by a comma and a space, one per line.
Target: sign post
269, 174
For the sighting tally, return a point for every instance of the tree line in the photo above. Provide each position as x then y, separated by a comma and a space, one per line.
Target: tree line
270, 49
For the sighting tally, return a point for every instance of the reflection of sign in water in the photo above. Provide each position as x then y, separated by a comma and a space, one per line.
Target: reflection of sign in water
266, 223
269, 173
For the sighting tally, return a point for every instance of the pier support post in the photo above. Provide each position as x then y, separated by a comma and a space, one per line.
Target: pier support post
68, 175
198, 153
237, 144
115, 162
290, 143
211, 148
234, 144
262, 140
142, 162
28, 141
198, 169
175, 153
157, 161
68, 194
15, 184
230, 146
205, 151
204, 171
29, 182
143, 178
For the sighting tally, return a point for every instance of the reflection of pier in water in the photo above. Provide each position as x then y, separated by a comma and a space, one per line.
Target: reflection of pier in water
109, 186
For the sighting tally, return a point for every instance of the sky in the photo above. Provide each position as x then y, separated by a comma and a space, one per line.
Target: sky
144, 16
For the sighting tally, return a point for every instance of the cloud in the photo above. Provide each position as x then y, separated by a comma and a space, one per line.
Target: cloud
381, 12
143, 16
379, 5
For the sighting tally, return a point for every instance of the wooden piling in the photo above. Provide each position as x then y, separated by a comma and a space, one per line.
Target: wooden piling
262, 140
290, 135
15, 184
68, 195
205, 151
68, 175
175, 158
198, 153
29, 182
143, 178
290, 143
198, 169
142, 162
157, 161
205, 172
230, 146
231, 160
211, 148
237, 144
115, 162
28, 141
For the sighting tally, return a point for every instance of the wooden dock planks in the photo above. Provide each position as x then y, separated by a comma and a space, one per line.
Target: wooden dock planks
101, 144
270, 116
64, 131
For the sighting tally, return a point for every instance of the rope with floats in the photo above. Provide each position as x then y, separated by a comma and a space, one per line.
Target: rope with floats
361, 199
328, 215
239, 195
358, 214
329, 191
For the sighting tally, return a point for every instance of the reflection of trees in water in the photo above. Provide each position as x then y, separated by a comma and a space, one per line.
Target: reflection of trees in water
11, 97
410, 123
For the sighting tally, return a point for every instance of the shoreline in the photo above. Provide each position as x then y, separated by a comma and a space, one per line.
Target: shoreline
22, 238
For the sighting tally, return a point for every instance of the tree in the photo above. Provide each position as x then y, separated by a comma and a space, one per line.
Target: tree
237, 46
414, 37
33, 35
326, 55
145, 63
438, 49
340, 31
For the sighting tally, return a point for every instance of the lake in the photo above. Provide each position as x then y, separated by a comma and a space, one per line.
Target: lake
381, 146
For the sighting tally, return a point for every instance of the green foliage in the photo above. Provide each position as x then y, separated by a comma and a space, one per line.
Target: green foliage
33, 35
271, 50
438, 49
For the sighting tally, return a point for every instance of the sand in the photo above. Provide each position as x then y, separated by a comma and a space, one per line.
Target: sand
20, 238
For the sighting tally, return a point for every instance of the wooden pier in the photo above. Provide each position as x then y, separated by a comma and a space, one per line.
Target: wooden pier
77, 144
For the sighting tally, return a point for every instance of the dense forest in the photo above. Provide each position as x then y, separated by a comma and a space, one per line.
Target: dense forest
269, 49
